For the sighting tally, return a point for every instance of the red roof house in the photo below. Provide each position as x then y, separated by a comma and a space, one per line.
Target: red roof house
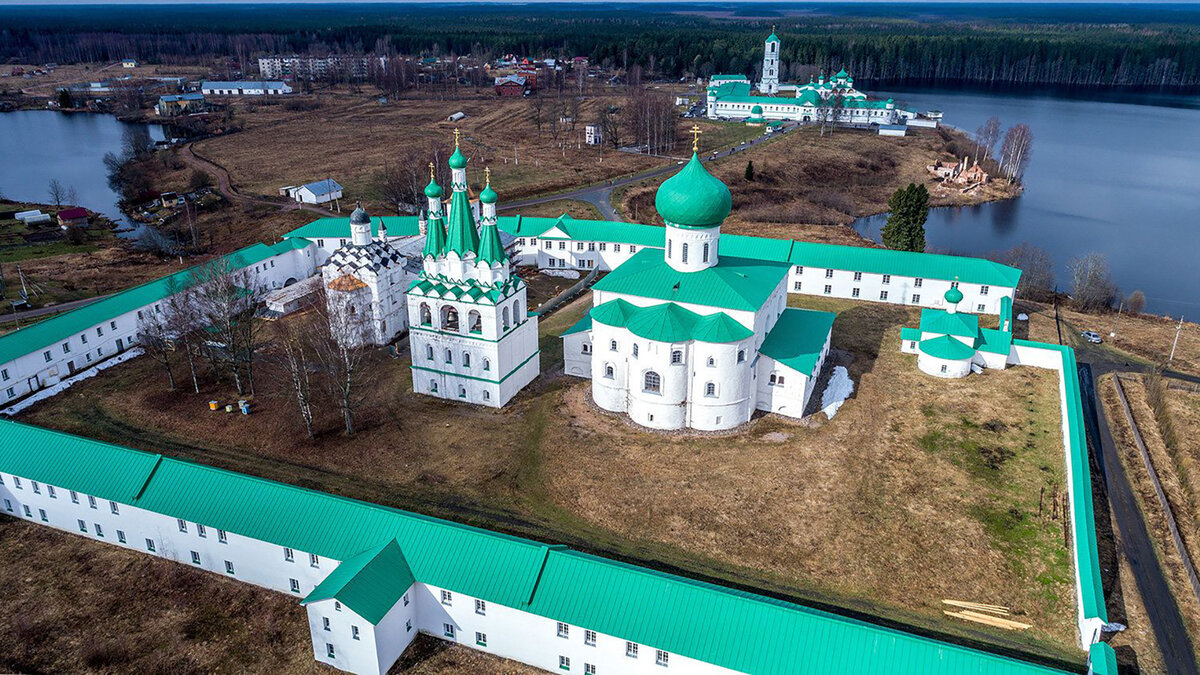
76, 217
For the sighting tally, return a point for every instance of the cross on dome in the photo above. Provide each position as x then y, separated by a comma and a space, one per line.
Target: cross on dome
431, 171
456, 133
695, 132
487, 175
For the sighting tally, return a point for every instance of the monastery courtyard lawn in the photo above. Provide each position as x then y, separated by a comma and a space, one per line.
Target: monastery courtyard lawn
104, 609
918, 490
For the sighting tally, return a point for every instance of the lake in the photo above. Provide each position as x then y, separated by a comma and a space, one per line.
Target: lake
41, 145
1119, 174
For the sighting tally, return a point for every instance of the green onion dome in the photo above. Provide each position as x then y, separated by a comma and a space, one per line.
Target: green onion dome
954, 296
359, 216
693, 197
433, 190
458, 160
488, 196
756, 111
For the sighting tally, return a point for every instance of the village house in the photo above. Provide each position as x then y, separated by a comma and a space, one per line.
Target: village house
179, 104
239, 88
75, 217
317, 192
964, 172
511, 86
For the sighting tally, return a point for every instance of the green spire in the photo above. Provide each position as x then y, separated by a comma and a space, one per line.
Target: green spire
435, 238
491, 249
461, 236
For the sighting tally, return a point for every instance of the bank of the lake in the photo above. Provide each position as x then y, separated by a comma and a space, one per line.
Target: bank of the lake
42, 145
1114, 174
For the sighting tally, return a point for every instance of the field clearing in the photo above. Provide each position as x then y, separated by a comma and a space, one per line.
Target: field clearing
803, 178
161, 616
575, 208
918, 490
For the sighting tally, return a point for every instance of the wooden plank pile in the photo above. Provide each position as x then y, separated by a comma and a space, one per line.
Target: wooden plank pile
990, 615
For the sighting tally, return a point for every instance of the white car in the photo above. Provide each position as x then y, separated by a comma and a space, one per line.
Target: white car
1091, 336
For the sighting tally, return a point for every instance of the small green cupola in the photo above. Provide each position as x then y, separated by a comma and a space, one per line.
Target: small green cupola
488, 196
457, 160
756, 111
433, 190
772, 37
953, 297
693, 197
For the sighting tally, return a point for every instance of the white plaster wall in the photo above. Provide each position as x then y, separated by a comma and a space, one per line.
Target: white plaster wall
576, 361
349, 654
931, 365
694, 239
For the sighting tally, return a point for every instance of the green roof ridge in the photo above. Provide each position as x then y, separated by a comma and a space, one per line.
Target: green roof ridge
461, 236
435, 238
491, 249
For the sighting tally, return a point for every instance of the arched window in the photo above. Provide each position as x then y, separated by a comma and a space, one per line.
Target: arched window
704, 255
669, 248
466, 360
486, 395
741, 355
771, 380
711, 362
683, 253
652, 383
462, 391
474, 322
635, 350
710, 389
608, 371
426, 315
449, 356
352, 310
487, 364
612, 345
433, 386
518, 317
505, 318
676, 357
429, 352
449, 318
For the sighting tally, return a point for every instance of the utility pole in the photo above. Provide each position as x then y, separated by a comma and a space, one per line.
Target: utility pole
1173, 344
1117, 320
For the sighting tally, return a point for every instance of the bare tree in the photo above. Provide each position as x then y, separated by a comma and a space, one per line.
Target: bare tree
340, 345
1037, 270
154, 335
536, 108
1092, 282
609, 121
185, 323
1136, 302
1014, 154
72, 197
227, 296
401, 185
295, 336
58, 193
986, 138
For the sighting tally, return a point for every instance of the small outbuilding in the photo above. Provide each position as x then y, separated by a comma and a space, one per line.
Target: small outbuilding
317, 192
74, 217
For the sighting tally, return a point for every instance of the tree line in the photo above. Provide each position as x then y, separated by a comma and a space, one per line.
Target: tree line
993, 52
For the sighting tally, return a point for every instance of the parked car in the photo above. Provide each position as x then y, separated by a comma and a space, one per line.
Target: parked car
1091, 336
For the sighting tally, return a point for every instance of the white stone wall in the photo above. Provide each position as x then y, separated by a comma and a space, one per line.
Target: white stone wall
900, 290
949, 368
372, 649
577, 361
686, 248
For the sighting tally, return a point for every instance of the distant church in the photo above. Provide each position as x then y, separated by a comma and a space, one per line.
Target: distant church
831, 99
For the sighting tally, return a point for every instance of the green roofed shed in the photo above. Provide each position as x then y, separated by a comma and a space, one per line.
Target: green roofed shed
369, 583
798, 338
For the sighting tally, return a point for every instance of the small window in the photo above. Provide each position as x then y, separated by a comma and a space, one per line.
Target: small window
314, 560
329, 650
8, 506
828, 289
46, 355
201, 530
799, 269
858, 276
354, 632
408, 625
589, 638
121, 536
150, 545
182, 524
796, 286
294, 584
481, 639
741, 355
661, 657
337, 606
608, 371
448, 630
99, 531
631, 649
229, 567
828, 274
564, 663
28, 512
289, 555
854, 292
979, 308
954, 284
325, 623
710, 389
91, 500
676, 357
635, 350
43, 516
563, 630
612, 345
480, 607
652, 382
222, 537
112, 506
37, 488
916, 299
887, 278
917, 282
447, 598
196, 557
83, 528
406, 599
943, 368
589, 669
983, 290
49, 490
883, 295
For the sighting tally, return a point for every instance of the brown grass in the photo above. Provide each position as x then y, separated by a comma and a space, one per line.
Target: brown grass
802, 178
1144, 490
554, 209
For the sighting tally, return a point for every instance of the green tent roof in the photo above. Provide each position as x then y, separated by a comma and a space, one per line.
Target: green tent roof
435, 238
798, 338
958, 323
907, 333
461, 235
661, 611
734, 283
668, 322
946, 347
580, 326
772, 37
369, 583
995, 341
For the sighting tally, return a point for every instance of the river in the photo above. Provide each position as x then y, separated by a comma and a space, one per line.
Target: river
1118, 174
40, 145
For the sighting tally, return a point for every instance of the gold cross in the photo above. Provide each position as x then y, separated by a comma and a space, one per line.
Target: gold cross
431, 179
456, 137
695, 132
487, 172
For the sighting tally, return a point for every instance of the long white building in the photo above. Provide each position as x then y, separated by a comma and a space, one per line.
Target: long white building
371, 578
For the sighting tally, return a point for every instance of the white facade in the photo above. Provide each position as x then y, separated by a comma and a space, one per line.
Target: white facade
770, 68
317, 192
365, 283
269, 88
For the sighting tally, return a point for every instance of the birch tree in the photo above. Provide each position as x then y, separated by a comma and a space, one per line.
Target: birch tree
226, 299
986, 138
295, 336
1014, 154
155, 339
341, 347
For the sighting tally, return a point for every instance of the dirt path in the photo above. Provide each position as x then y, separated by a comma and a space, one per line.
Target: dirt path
227, 189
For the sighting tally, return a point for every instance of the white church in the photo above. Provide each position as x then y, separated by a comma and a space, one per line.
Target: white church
685, 337
365, 281
832, 100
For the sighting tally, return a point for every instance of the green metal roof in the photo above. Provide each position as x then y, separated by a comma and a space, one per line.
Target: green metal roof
491, 249
1102, 659
995, 341
772, 37
907, 333
668, 322
50, 331
693, 197
946, 347
734, 283
369, 583
690, 618
584, 324
461, 236
798, 337
958, 323
435, 238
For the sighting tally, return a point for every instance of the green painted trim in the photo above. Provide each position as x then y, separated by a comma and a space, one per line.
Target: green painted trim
472, 337
478, 379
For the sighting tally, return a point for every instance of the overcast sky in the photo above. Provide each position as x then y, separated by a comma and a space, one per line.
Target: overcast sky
513, 2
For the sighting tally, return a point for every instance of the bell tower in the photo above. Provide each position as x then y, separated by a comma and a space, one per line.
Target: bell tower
770, 70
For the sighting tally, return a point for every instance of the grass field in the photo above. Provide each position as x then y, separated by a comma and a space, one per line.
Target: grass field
918, 490
95, 608
554, 209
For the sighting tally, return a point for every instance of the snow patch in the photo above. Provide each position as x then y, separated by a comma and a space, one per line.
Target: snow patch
1022, 317
565, 274
837, 391
63, 385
